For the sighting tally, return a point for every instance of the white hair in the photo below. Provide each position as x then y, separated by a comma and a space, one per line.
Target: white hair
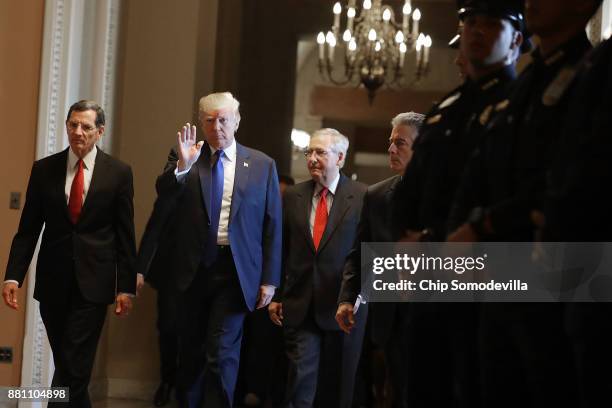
340, 143
220, 100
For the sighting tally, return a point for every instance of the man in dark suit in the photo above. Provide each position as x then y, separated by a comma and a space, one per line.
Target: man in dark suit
155, 260
227, 260
83, 197
320, 225
388, 321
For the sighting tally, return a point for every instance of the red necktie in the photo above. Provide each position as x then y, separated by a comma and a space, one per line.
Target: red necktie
320, 218
75, 202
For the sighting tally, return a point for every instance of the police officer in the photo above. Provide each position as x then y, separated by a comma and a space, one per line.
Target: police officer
490, 40
578, 210
444, 335
524, 345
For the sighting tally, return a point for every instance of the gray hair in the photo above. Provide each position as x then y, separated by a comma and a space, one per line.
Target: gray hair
409, 119
340, 143
220, 100
85, 105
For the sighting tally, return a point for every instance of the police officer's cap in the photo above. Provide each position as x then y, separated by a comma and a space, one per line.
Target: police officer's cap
511, 10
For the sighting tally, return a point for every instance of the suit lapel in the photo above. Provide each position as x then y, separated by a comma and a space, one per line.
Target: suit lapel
341, 204
203, 165
100, 169
60, 181
241, 178
304, 206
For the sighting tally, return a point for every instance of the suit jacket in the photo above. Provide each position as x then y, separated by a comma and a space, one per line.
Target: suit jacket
376, 225
255, 224
156, 254
312, 278
98, 250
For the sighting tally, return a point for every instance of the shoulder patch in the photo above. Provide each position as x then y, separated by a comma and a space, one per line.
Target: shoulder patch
449, 101
558, 86
502, 105
434, 119
485, 115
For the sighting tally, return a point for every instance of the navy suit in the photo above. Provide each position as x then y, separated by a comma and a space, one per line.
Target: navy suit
215, 299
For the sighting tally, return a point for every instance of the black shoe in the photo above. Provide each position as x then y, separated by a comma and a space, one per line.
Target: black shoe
162, 395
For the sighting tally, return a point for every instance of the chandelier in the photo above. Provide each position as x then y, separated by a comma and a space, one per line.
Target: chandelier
375, 46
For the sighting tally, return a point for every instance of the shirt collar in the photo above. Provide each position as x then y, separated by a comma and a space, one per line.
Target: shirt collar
331, 188
229, 151
89, 159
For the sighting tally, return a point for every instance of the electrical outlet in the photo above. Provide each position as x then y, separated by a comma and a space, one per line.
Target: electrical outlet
6, 354
15, 201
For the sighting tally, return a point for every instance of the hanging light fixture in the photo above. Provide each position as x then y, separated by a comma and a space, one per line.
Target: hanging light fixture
374, 46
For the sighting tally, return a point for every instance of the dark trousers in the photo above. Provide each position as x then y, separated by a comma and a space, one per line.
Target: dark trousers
526, 356
212, 313
322, 363
167, 328
73, 327
264, 365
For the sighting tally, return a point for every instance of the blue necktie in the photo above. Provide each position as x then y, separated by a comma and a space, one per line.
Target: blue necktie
216, 196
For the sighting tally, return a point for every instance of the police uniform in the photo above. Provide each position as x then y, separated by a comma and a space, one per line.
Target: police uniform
444, 335
525, 348
578, 210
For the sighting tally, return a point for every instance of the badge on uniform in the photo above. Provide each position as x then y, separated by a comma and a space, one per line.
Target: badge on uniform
245, 164
434, 119
558, 86
502, 105
485, 115
449, 101
489, 84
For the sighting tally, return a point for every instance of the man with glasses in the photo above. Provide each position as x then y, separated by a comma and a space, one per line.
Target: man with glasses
388, 321
84, 199
320, 226
228, 252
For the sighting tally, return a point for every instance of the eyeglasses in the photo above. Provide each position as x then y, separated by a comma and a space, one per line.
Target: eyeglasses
86, 128
318, 152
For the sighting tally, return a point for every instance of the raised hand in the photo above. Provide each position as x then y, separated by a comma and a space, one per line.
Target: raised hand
188, 149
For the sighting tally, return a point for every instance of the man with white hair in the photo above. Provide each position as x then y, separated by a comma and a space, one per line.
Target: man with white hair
227, 260
320, 220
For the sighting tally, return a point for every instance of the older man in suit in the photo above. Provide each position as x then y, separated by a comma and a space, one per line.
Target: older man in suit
320, 224
83, 197
388, 322
227, 260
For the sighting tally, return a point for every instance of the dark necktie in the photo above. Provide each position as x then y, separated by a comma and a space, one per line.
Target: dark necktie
216, 196
320, 218
75, 202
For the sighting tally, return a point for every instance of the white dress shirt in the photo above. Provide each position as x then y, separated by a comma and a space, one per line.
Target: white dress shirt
229, 171
89, 162
317, 196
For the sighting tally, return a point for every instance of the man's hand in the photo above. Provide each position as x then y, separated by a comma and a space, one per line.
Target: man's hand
275, 311
464, 233
188, 149
9, 294
123, 305
345, 317
264, 297
139, 283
